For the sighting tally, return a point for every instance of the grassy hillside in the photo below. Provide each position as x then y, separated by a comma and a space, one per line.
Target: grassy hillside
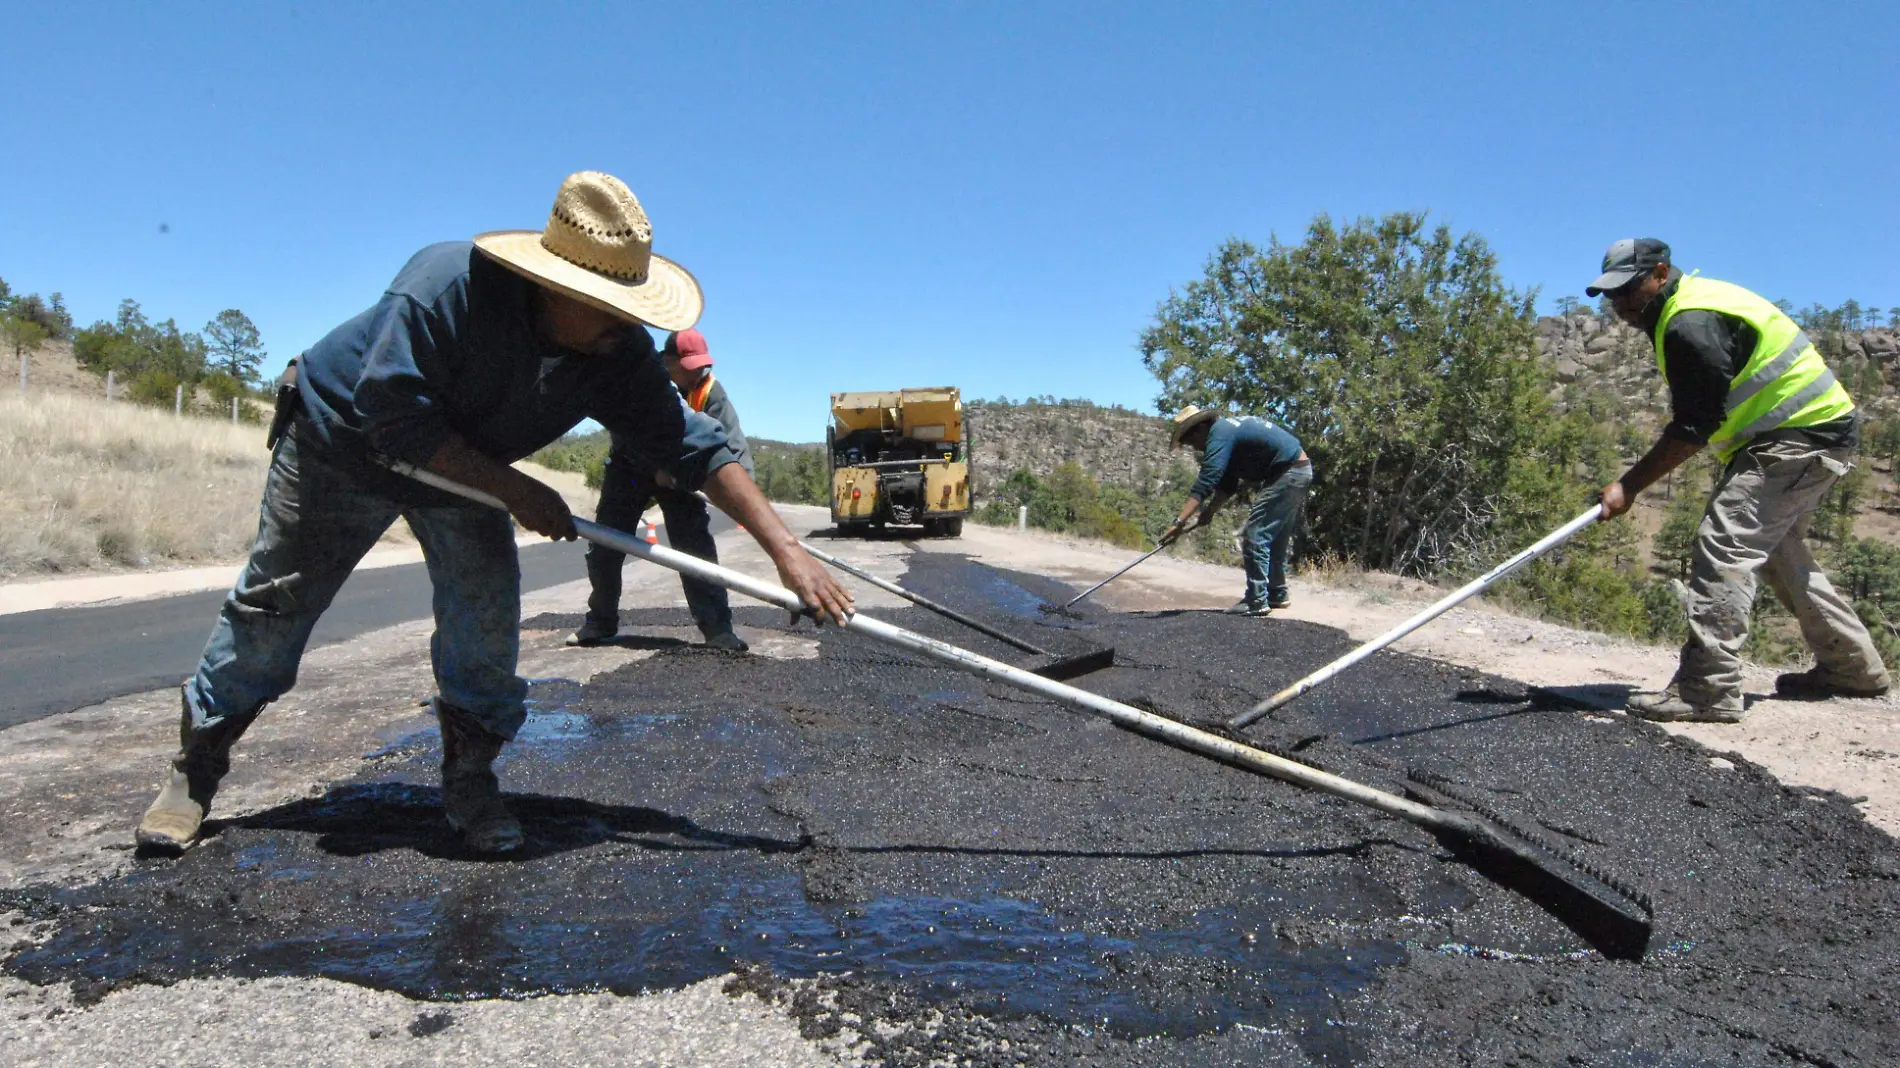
86, 485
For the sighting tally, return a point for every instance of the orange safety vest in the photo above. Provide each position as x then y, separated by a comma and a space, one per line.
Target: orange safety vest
696, 397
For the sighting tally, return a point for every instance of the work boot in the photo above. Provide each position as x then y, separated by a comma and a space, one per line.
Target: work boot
171, 825
727, 640
1244, 607
1667, 706
594, 632
471, 795
1277, 603
1815, 685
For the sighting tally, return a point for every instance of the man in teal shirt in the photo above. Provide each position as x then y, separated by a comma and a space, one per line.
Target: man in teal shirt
1247, 452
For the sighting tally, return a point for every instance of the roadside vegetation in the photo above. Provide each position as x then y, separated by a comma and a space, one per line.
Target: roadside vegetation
90, 485
1406, 365
1395, 351
151, 362
785, 472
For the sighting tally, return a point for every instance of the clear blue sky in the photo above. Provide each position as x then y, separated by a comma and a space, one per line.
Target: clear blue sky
877, 195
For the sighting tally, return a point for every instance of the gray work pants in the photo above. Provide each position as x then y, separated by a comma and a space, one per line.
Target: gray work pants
1756, 522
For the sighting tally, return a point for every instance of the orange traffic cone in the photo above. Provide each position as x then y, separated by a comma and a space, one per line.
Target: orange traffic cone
653, 533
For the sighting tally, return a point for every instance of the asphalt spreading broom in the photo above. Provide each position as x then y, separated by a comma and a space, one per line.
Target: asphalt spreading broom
1068, 609
1049, 666
1613, 919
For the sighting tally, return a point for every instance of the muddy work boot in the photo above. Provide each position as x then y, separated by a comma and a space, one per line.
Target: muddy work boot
593, 632
1667, 706
171, 825
727, 640
1815, 684
471, 795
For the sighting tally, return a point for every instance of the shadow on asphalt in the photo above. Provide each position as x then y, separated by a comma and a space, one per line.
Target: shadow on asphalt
364, 819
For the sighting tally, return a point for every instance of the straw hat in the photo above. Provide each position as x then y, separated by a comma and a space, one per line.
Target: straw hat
598, 249
1188, 418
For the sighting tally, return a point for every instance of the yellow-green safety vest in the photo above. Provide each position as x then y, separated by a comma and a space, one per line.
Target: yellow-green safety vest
1784, 383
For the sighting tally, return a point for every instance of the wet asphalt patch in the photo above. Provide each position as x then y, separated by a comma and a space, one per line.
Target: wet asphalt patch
998, 880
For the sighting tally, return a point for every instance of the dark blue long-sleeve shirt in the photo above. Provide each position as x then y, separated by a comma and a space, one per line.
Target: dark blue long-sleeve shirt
1244, 449
452, 348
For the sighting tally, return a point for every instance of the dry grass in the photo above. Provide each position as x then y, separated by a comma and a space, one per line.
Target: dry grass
87, 486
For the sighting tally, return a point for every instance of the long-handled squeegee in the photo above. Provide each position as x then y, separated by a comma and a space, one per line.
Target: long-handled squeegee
1459, 596
1139, 560
1051, 667
1612, 919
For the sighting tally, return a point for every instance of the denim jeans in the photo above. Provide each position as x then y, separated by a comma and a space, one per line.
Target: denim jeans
316, 521
688, 527
1269, 530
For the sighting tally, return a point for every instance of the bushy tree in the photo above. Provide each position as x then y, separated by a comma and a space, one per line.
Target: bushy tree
790, 473
141, 351
49, 315
1070, 502
23, 336
1881, 439
1674, 544
1868, 571
1403, 362
1834, 519
235, 345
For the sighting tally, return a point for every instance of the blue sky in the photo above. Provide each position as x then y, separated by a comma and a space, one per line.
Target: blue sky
994, 196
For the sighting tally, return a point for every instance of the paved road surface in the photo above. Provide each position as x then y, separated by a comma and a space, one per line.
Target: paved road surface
65, 658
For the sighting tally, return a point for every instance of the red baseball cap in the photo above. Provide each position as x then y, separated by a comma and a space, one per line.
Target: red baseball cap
690, 347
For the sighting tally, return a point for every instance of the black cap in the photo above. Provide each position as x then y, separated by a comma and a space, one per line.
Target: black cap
1626, 260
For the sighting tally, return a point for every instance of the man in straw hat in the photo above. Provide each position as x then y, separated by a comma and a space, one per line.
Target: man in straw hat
477, 354
1247, 452
625, 492
1745, 382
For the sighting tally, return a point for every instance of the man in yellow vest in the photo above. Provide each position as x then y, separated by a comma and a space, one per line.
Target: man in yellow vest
625, 494
1745, 381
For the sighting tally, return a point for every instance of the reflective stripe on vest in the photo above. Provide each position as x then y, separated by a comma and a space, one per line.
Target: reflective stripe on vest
1783, 383
696, 397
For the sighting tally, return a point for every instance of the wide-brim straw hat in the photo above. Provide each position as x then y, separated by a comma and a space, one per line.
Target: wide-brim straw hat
598, 249
1188, 418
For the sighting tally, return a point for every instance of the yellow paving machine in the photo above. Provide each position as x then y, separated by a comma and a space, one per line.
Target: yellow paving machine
897, 457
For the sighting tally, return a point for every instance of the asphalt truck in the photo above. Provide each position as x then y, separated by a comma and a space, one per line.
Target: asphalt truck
898, 458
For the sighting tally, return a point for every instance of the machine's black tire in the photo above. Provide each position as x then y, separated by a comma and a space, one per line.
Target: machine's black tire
950, 528
933, 528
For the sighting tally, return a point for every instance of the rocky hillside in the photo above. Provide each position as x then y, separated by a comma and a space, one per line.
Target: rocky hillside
1115, 446
1593, 360
1591, 354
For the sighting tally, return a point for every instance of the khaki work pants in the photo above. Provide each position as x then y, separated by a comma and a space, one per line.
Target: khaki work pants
1756, 522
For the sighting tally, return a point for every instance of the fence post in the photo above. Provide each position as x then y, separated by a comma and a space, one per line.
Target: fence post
23, 359
1022, 517
178, 400
234, 401
109, 387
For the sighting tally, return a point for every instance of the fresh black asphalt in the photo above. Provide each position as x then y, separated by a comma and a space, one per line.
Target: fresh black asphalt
60, 659
935, 869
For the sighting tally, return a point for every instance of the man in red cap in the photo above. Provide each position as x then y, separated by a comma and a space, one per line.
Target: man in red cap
625, 493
